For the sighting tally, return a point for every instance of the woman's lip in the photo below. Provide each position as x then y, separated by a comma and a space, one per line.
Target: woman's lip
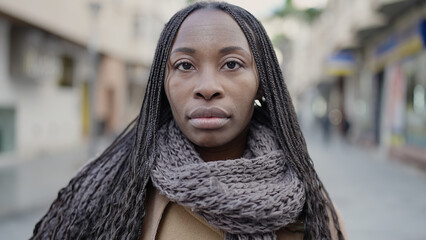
210, 123
208, 118
208, 112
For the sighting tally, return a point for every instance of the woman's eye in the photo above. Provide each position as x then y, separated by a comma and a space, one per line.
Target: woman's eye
184, 66
232, 65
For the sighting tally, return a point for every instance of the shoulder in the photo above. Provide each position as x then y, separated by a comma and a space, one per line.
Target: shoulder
294, 231
340, 223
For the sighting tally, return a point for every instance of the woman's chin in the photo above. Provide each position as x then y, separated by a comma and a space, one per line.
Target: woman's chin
208, 143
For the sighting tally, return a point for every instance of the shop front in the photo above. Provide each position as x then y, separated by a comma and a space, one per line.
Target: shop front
400, 61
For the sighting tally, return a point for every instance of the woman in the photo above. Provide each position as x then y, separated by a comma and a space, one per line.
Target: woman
202, 161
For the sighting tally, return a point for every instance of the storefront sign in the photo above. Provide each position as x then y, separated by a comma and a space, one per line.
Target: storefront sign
400, 44
342, 63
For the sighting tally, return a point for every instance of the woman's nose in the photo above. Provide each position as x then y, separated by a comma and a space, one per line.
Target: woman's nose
208, 87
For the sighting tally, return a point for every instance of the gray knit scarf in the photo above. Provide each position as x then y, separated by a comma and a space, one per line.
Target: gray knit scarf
248, 198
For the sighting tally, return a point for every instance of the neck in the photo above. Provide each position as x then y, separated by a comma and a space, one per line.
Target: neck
232, 150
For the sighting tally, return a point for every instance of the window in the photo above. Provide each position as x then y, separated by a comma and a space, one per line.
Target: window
66, 78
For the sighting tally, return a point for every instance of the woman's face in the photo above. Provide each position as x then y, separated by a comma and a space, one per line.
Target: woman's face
211, 81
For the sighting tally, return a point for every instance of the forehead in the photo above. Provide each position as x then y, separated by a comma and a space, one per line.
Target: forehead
207, 27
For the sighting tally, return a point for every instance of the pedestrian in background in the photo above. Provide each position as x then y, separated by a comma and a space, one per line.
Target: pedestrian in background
216, 152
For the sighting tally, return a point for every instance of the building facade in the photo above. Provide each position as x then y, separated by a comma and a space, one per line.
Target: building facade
52, 58
367, 63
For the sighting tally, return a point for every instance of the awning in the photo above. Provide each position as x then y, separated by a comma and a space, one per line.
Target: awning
342, 63
366, 33
394, 9
400, 44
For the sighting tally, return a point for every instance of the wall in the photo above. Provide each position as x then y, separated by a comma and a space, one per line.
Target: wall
7, 106
47, 115
6, 91
116, 25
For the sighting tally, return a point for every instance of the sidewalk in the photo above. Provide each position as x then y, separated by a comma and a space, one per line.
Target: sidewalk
410, 155
380, 198
28, 187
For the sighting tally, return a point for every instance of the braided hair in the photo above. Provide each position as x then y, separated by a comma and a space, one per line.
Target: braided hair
106, 199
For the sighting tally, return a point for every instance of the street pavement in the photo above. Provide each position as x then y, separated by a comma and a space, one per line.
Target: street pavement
378, 197
28, 187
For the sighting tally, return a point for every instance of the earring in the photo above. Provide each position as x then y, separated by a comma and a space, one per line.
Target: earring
257, 103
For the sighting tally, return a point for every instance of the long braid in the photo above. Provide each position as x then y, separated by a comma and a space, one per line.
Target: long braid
130, 219
106, 198
285, 124
57, 221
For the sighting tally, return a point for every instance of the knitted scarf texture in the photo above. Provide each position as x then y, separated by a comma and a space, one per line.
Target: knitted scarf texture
248, 198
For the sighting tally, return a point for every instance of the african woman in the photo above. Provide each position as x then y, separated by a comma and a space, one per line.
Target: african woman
215, 153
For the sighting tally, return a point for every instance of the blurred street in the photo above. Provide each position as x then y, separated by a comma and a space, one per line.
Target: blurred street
379, 198
355, 71
34, 184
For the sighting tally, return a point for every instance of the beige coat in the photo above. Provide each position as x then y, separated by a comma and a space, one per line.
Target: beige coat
166, 220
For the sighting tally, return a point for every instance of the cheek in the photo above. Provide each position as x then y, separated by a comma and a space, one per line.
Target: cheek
245, 98
174, 103
246, 108
177, 95
171, 96
171, 88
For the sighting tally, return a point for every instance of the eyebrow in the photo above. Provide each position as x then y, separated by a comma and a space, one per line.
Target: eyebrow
184, 49
231, 49
222, 51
